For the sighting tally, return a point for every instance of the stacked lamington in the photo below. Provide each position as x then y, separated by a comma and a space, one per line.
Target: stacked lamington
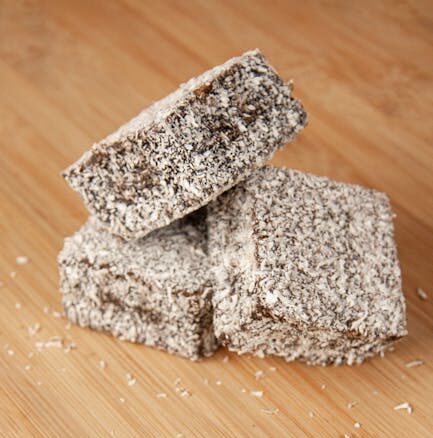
192, 242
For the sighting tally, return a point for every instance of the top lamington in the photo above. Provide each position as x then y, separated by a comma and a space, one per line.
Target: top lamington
186, 149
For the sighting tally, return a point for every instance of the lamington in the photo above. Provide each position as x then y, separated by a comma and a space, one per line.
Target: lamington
154, 291
186, 149
305, 268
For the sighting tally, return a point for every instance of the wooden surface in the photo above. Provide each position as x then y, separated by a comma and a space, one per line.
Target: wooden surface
71, 72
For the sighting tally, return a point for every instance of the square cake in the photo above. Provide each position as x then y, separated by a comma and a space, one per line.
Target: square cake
305, 268
154, 291
186, 149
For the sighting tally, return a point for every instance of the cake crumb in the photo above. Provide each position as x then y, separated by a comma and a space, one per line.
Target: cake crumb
414, 363
243, 390
22, 260
102, 364
71, 346
122, 400
311, 414
39, 383
404, 406
219, 383
422, 295
11, 352
357, 425
351, 404
18, 306
256, 393
273, 369
323, 386
13, 274
161, 395
28, 367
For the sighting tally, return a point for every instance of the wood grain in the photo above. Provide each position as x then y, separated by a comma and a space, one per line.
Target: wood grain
71, 72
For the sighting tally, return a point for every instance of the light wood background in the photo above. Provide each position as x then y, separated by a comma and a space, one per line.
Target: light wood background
72, 71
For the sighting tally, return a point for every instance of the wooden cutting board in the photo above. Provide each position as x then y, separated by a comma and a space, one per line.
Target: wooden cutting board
71, 72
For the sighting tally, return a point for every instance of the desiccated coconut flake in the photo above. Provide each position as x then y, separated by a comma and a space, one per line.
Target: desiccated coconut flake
422, 295
272, 369
102, 364
256, 393
161, 395
18, 306
351, 404
270, 411
225, 359
404, 406
311, 414
219, 383
28, 367
11, 352
357, 425
13, 274
33, 329
414, 363
259, 374
130, 379
22, 260
70, 346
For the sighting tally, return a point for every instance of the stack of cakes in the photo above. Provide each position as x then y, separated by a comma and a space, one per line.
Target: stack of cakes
193, 242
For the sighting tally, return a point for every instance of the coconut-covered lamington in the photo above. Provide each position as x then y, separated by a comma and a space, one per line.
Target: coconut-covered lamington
189, 147
154, 291
306, 268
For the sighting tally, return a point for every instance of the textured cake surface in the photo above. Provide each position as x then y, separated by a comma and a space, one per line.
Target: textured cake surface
155, 290
307, 268
186, 149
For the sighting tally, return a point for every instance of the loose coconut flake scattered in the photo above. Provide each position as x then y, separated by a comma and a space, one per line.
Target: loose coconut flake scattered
225, 359
18, 306
13, 274
422, 295
271, 411
11, 352
54, 342
28, 367
311, 414
259, 374
22, 260
351, 404
404, 406
33, 329
414, 363
357, 425
130, 379
256, 393
161, 395
102, 364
